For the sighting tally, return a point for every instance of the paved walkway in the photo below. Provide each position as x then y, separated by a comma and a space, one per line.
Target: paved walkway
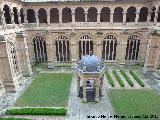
79, 111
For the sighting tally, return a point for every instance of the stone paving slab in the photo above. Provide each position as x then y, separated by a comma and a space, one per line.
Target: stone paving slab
79, 111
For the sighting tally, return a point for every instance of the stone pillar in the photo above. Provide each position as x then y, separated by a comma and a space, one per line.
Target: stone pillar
10, 84
74, 47
111, 17
124, 17
98, 46
85, 15
3, 20
37, 18
60, 17
156, 17
23, 54
137, 16
84, 99
19, 17
149, 16
97, 85
122, 50
49, 50
48, 16
25, 16
73, 17
98, 17
78, 86
12, 18
152, 54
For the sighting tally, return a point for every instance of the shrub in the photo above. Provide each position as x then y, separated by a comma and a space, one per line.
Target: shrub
109, 79
135, 76
14, 119
37, 111
127, 78
118, 78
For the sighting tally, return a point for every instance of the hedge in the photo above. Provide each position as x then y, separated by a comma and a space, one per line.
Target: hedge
37, 111
118, 78
109, 79
127, 78
14, 119
135, 76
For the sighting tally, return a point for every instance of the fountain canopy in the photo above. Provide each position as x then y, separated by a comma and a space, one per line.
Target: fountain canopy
90, 64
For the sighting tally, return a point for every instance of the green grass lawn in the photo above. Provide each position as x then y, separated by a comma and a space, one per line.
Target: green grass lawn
135, 102
47, 90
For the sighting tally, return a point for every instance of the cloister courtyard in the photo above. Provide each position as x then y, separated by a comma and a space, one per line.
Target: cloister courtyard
126, 93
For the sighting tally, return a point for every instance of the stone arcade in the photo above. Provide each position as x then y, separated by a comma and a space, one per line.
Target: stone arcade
121, 32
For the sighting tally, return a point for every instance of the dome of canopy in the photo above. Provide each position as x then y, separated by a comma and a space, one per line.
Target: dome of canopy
91, 62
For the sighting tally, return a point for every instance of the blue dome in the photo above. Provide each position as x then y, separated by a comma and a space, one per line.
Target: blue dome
91, 62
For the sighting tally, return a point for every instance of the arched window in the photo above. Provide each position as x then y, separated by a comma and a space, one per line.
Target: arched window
153, 14
132, 49
105, 15
54, 15
42, 15
109, 48
158, 19
66, 15
15, 15
40, 49
92, 14
85, 45
31, 16
22, 15
62, 48
79, 15
12, 56
7, 16
143, 14
131, 14
118, 14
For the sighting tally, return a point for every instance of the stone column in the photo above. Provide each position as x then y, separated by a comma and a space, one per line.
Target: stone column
86, 16
12, 18
19, 17
156, 17
74, 47
37, 18
97, 85
78, 85
3, 20
149, 16
60, 17
124, 17
84, 99
111, 17
98, 17
73, 17
23, 54
48, 16
49, 50
123, 46
10, 84
99, 45
25, 16
152, 54
137, 16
